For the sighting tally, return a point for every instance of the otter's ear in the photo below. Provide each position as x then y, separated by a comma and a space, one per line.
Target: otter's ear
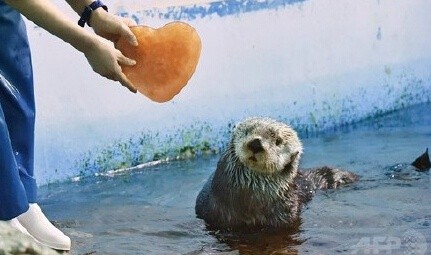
294, 156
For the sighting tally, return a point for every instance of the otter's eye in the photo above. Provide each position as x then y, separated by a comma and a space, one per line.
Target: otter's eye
278, 141
247, 131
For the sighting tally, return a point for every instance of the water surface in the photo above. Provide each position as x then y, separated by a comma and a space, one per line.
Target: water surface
151, 210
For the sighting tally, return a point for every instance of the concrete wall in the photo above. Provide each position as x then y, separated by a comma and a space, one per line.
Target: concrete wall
315, 64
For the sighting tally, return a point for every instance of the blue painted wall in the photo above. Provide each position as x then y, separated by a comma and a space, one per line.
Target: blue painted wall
314, 64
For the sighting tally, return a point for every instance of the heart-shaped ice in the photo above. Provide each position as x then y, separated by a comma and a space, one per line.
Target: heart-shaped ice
166, 59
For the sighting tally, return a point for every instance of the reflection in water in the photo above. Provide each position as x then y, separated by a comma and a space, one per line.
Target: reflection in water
263, 242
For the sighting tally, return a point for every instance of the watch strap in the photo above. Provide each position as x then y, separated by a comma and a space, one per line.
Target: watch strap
86, 14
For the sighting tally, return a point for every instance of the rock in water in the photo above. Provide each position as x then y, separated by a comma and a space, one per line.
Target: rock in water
13, 242
422, 163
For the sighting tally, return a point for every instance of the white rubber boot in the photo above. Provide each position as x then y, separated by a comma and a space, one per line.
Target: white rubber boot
39, 227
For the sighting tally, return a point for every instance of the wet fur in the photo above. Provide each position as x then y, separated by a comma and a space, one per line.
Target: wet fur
245, 193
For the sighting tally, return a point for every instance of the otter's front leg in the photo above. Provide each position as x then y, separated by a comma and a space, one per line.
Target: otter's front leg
329, 178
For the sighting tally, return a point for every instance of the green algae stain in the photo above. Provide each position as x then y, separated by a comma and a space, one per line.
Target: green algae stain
313, 119
387, 70
198, 139
204, 139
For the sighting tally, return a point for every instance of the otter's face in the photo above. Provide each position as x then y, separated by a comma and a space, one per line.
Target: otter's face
266, 146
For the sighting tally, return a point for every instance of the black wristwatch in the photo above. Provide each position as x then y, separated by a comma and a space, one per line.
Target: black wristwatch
86, 14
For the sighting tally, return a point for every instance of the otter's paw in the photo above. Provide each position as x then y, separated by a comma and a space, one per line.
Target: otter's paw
341, 177
330, 178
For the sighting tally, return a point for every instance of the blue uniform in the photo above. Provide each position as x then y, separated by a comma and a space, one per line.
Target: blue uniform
17, 115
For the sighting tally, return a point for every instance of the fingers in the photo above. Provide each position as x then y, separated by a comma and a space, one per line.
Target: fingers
113, 27
126, 83
130, 22
125, 60
127, 33
122, 78
106, 61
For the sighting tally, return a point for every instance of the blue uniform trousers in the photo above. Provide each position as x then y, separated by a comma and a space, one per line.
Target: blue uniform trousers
17, 115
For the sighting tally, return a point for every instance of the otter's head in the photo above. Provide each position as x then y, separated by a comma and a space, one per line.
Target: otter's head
267, 146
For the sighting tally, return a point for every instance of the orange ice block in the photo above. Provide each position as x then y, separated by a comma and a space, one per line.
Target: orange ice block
166, 59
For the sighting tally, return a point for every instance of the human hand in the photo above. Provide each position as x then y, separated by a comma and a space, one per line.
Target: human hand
112, 27
105, 60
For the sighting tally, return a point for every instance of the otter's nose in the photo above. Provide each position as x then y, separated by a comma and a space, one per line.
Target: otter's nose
255, 145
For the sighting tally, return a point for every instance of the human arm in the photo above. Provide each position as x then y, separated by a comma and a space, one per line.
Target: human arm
103, 57
105, 24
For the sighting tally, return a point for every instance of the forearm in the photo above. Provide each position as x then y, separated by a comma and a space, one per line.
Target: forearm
78, 5
49, 17
103, 58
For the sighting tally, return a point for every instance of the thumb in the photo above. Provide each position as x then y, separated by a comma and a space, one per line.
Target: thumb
127, 33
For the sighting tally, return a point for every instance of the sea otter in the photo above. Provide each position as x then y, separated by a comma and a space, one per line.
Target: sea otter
257, 183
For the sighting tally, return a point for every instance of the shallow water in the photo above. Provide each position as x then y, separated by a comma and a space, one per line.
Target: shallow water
151, 210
